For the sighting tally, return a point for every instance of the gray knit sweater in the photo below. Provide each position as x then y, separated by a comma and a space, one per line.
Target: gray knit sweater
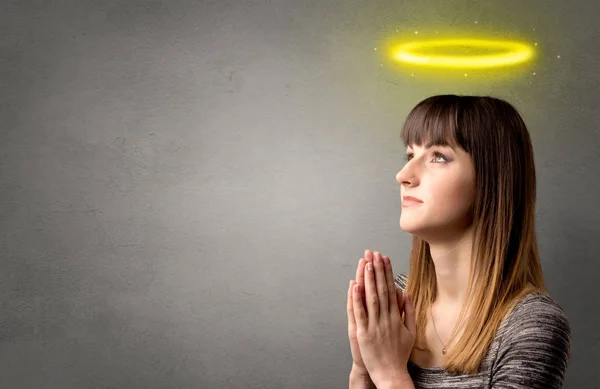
530, 350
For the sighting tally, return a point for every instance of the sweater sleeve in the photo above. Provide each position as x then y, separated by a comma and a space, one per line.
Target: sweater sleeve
535, 347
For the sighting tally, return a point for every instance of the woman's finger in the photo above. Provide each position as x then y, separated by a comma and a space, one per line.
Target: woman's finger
360, 279
391, 287
359, 311
349, 309
371, 291
401, 299
381, 284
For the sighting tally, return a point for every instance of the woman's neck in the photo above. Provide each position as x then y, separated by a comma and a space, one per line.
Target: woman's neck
452, 261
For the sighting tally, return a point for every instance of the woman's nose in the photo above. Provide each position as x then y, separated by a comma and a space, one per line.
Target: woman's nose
407, 176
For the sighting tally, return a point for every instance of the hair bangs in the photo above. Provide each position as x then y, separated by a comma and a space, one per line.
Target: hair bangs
433, 122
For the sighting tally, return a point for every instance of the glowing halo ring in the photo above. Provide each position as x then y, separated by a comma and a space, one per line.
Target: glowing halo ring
512, 53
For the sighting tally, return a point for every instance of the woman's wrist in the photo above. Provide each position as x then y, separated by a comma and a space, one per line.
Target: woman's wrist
359, 378
358, 371
399, 381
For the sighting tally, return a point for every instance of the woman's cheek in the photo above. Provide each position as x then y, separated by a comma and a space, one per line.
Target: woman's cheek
452, 200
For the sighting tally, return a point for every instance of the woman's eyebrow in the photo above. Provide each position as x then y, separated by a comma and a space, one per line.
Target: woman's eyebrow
442, 143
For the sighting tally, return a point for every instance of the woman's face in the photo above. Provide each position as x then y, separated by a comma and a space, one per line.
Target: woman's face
443, 179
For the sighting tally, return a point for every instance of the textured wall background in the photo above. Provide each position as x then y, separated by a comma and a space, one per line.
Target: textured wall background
186, 187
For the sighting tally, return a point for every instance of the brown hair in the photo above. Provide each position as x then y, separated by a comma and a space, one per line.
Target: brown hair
505, 254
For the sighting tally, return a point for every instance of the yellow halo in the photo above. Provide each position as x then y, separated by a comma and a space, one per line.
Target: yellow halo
510, 53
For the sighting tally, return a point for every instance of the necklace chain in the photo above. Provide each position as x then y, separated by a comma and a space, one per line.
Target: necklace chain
438, 335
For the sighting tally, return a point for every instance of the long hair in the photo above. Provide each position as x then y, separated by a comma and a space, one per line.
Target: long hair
505, 258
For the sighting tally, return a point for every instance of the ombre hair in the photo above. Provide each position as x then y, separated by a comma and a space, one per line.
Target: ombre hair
505, 259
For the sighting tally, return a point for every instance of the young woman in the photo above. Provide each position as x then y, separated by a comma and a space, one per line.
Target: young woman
478, 315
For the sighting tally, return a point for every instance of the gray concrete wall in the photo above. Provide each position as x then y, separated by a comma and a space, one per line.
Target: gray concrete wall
186, 187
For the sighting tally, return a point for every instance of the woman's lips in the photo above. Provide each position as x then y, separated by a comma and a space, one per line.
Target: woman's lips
408, 201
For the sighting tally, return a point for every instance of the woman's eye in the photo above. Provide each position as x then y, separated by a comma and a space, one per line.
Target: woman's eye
439, 155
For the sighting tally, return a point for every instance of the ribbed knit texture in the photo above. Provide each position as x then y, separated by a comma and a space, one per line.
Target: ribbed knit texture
530, 350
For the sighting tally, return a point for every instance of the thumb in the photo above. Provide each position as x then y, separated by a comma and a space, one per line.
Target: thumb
409, 318
401, 299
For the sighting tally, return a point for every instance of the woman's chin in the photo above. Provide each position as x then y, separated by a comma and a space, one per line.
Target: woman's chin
416, 228
411, 228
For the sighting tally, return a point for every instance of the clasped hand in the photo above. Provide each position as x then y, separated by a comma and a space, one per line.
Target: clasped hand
380, 339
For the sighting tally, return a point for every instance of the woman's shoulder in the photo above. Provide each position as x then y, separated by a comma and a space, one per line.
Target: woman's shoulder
535, 344
537, 313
